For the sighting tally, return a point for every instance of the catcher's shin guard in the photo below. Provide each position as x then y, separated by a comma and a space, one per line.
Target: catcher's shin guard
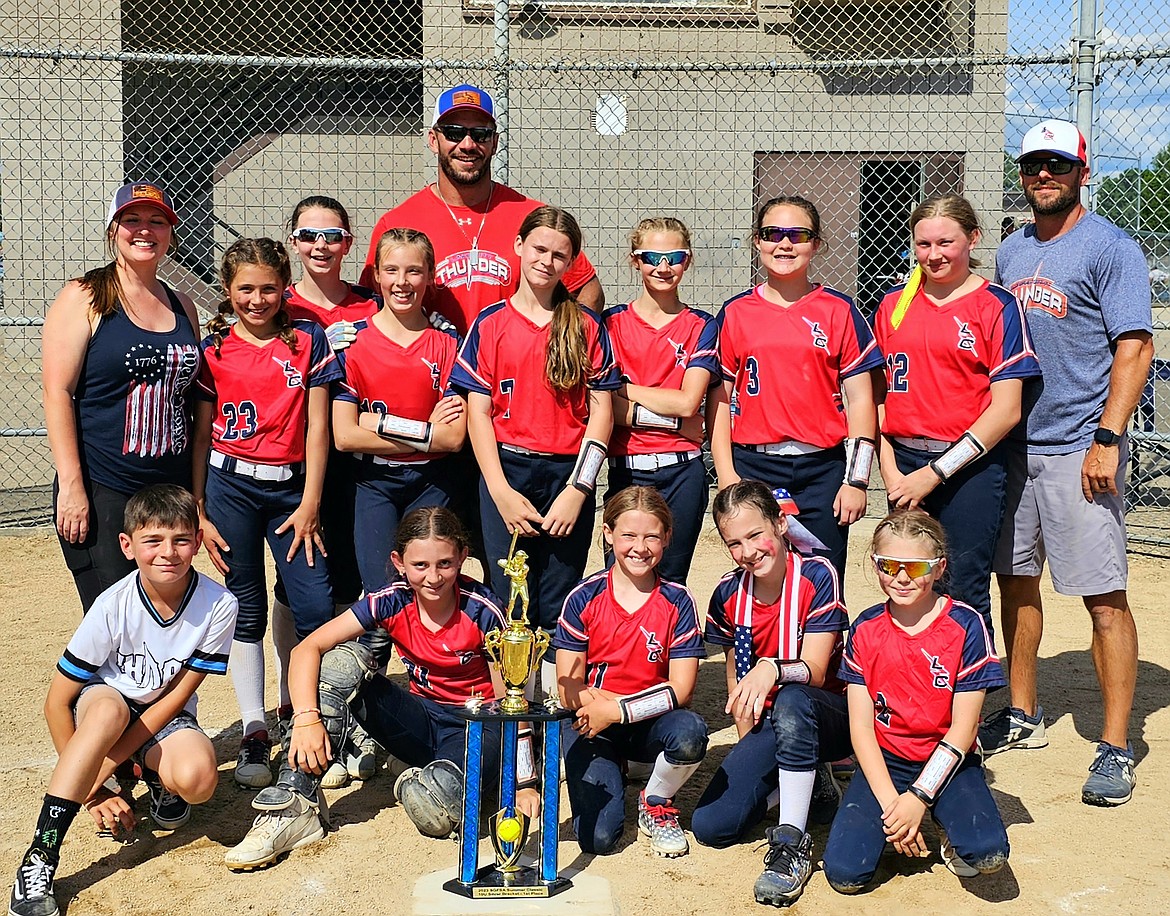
432, 797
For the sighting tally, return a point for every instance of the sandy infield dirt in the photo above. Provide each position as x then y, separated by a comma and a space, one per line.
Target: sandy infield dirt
1066, 857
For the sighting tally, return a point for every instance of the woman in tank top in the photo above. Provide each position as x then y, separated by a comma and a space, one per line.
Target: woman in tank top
120, 354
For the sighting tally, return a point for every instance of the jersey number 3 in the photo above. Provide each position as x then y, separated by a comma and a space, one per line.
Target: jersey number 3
239, 420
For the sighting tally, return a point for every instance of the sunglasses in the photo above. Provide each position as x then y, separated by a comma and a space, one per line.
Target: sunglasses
915, 569
673, 258
454, 133
331, 236
795, 234
1032, 167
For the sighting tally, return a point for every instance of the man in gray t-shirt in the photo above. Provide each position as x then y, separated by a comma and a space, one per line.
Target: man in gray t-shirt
1085, 287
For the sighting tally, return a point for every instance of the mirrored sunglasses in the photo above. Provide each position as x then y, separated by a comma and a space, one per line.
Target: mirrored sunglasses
795, 234
915, 569
331, 236
673, 258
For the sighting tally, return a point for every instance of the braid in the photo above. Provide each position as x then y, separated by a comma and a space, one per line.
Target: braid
220, 323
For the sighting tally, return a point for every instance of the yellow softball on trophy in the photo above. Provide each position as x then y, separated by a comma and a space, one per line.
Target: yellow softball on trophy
509, 830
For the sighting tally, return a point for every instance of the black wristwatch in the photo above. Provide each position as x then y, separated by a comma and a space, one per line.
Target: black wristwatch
1105, 436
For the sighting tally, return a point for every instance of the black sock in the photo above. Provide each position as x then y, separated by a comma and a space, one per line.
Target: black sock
56, 816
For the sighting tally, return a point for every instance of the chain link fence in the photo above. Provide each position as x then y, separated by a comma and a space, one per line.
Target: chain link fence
613, 109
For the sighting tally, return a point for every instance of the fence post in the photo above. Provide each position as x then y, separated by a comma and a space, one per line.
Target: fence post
500, 21
1085, 76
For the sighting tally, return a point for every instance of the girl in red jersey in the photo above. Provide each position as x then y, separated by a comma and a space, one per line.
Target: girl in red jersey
437, 619
796, 409
780, 619
918, 667
538, 373
628, 648
261, 440
394, 409
669, 357
957, 355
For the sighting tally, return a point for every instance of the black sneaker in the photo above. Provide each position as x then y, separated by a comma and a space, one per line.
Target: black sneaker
167, 810
32, 894
826, 797
787, 866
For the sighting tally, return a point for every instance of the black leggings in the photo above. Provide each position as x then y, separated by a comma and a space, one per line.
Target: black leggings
97, 562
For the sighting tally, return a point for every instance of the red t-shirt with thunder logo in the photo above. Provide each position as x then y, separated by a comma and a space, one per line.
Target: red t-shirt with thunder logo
941, 360
786, 365
383, 377
261, 394
451, 665
465, 285
913, 679
624, 652
504, 358
658, 358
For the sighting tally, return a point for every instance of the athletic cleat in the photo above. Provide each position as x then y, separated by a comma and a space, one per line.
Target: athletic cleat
362, 760
32, 894
953, 861
336, 777
660, 824
1011, 728
787, 866
1111, 778
167, 810
274, 833
826, 796
254, 765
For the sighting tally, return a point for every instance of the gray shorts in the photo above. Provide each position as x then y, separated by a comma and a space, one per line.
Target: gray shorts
1047, 517
180, 722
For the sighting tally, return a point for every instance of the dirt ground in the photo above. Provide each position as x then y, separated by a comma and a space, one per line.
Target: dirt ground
1066, 857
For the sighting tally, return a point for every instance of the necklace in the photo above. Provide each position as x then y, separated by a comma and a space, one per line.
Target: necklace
474, 242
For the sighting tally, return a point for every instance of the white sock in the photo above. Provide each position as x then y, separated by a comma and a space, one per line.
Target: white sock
247, 664
667, 778
796, 790
284, 640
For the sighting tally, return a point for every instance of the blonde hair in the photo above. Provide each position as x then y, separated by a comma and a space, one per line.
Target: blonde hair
261, 252
396, 238
659, 224
567, 362
913, 525
954, 207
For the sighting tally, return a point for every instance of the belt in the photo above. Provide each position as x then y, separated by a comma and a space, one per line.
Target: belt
786, 448
922, 444
275, 472
652, 461
395, 463
521, 450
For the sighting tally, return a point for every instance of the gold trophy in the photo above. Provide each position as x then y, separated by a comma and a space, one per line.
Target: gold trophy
516, 650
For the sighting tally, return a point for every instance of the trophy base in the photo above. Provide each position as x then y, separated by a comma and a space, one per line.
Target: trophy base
491, 882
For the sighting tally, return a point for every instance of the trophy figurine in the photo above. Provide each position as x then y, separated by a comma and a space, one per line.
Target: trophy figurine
515, 651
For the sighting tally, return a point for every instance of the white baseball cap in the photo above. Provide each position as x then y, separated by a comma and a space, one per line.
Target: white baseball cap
1060, 138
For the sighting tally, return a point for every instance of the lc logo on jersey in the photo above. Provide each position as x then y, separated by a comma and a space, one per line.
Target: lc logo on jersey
680, 353
292, 375
940, 675
653, 646
434, 367
966, 336
881, 711
1040, 294
464, 268
820, 339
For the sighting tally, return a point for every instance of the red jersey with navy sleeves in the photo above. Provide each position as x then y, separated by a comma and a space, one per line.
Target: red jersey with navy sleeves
261, 394
810, 602
504, 358
383, 377
359, 303
786, 365
658, 358
449, 666
942, 360
624, 652
913, 679
468, 277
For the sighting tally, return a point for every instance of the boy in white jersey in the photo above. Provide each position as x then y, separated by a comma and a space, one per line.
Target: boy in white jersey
125, 688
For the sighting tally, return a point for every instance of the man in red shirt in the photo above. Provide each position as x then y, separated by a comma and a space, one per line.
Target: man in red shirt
471, 220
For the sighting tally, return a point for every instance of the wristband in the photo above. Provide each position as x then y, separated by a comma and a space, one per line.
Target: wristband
859, 452
645, 418
936, 773
525, 761
647, 704
958, 456
416, 433
306, 711
588, 466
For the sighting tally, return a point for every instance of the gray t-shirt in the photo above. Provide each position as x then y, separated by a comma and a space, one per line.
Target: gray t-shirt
1080, 291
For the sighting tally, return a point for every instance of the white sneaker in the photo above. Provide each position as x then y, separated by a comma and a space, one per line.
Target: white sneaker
362, 760
274, 833
953, 862
337, 776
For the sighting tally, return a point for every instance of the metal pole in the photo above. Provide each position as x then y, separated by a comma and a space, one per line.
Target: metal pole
1086, 72
500, 21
